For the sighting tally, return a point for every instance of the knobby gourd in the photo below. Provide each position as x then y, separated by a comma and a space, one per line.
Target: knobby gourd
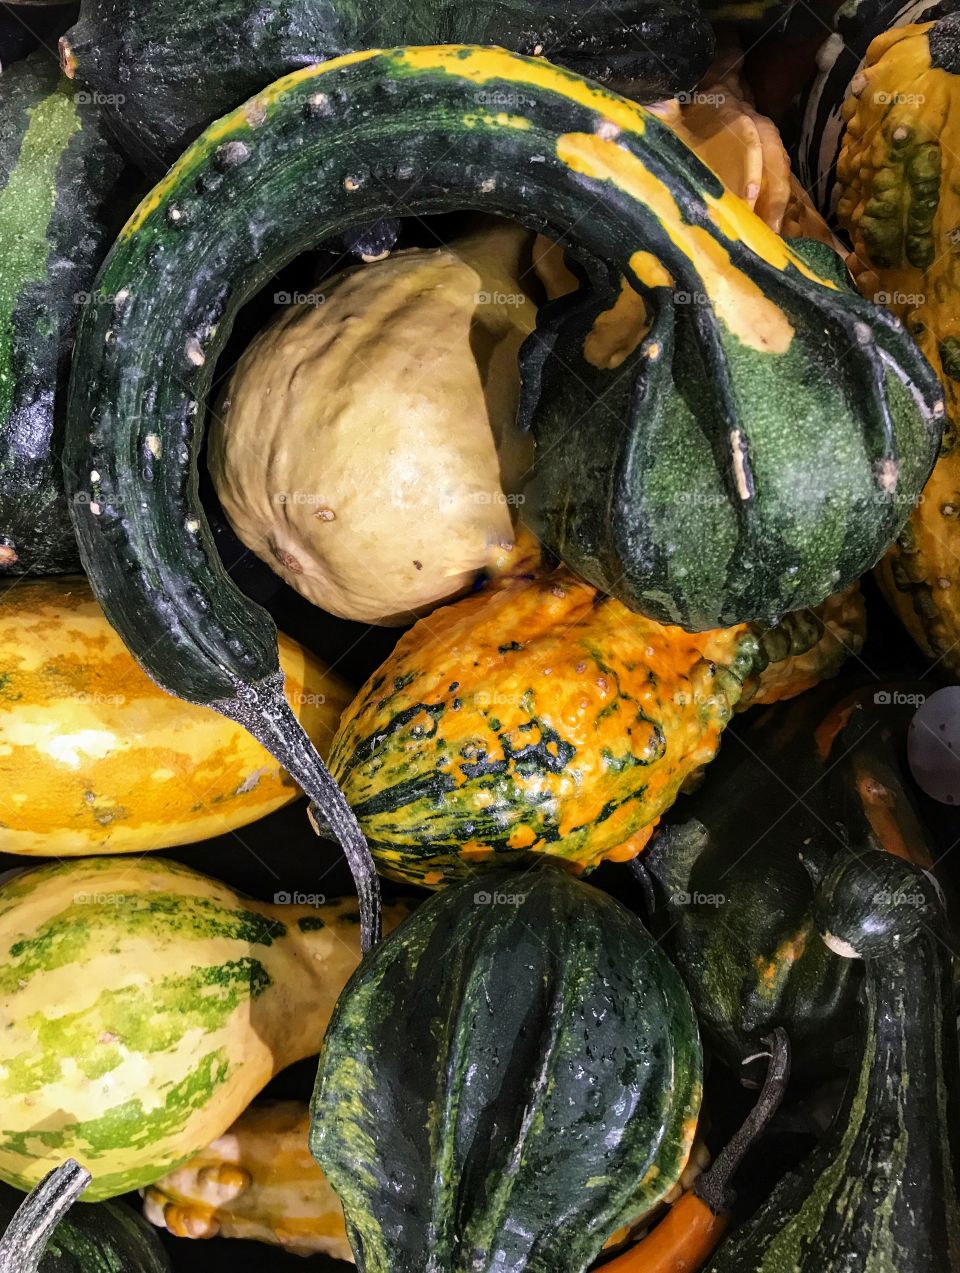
58, 176
144, 1006
509, 1078
97, 759
366, 445
880, 1191
540, 717
257, 1181
840, 58
59, 1238
153, 65
896, 182
231, 212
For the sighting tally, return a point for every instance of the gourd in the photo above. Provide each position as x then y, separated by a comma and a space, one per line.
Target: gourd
97, 759
212, 232
685, 1237
103, 1238
155, 65
839, 60
895, 179
366, 446
257, 1181
734, 904
58, 174
879, 1192
538, 717
505, 1081
144, 1006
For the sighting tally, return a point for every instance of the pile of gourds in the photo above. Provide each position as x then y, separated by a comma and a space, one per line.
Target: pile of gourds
519, 328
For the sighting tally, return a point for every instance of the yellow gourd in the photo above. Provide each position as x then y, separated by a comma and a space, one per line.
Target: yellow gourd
898, 181
96, 758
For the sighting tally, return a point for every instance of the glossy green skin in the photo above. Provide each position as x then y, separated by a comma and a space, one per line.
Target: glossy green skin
512, 1074
879, 1194
654, 513
58, 172
734, 904
157, 57
105, 1237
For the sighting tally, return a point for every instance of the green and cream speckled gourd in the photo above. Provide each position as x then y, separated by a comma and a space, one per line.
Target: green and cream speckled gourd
539, 717
144, 1006
366, 446
897, 185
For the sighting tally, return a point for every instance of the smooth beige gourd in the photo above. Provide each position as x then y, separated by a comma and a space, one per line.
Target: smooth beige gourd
366, 448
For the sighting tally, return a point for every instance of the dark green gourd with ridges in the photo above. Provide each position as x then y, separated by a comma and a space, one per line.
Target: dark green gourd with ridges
510, 1076
353, 141
881, 1192
58, 171
723, 505
154, 61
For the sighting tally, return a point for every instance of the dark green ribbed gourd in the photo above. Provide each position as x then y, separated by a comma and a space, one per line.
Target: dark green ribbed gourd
510, 1076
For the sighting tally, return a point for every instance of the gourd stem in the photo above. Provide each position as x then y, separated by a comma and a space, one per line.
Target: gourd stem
268, 717
32, 1226
713, 1187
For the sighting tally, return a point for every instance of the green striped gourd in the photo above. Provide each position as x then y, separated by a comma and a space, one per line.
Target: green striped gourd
143, 1007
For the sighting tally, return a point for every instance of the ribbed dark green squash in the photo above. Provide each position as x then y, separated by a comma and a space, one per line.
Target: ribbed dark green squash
237, 207
175, 66
881, 1192
106, 1237
680, 482
511, 1075
58, 172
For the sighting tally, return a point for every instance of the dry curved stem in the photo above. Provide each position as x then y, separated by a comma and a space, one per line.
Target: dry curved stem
27, 1234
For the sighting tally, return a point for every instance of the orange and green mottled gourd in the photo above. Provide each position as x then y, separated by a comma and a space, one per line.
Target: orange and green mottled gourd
541, 717
96, 758
898, 180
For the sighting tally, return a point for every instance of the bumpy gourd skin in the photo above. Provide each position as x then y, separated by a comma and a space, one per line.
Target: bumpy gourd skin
540, 717
899, 182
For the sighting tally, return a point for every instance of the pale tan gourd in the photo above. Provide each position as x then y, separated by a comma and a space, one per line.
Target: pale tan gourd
367, 448
257, 1181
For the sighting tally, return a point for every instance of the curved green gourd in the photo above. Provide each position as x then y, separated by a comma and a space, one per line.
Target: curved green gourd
880, 1192
355, 140
510, 1076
